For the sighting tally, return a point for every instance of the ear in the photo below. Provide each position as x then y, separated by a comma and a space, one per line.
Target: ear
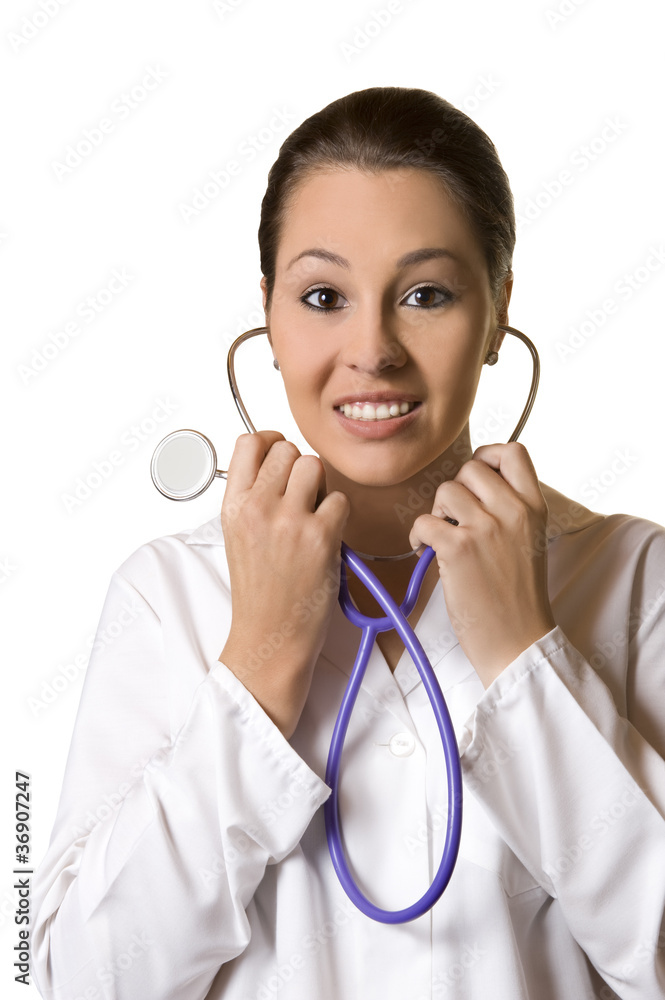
496, 341
263, 283
502, 313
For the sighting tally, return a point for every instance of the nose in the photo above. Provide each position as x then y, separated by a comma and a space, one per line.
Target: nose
372, 343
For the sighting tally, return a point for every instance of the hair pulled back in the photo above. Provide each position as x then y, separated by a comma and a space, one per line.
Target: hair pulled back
386, 128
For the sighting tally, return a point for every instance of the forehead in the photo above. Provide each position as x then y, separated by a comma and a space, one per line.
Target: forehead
363, 215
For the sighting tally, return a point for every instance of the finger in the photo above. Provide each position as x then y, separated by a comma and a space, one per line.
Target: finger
335, 508
455, 500
513, 463
306, 491
248, 455
482, 483
306, 485
430, 530
276, 468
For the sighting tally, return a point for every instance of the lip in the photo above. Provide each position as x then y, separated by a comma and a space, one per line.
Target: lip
378, 429
387, 396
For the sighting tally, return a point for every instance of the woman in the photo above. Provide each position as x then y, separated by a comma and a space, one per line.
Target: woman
188, 858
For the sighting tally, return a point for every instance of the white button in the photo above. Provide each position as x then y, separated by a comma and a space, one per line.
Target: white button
402, 744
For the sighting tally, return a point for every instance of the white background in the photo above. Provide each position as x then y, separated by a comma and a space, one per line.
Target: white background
542, 84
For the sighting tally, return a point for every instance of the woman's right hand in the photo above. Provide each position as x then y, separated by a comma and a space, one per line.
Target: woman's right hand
284, 558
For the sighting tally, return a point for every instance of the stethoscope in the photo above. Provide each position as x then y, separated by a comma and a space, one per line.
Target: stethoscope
183, 466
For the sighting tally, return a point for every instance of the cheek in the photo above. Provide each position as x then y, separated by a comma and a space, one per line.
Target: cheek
306, 370
455, 376
304, 388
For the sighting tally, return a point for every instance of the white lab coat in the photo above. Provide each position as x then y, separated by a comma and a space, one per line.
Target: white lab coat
189, 859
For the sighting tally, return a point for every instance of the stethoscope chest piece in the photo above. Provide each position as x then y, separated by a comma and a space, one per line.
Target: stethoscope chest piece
183, 465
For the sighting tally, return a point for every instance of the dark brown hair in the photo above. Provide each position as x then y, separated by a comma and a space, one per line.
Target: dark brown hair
385, 128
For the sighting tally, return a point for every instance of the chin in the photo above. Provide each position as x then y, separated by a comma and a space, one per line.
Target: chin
371, 474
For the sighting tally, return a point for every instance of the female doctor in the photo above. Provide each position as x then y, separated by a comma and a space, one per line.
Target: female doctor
188, 858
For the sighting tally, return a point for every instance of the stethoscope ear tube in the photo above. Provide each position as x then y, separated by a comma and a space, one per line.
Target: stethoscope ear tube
396, 619
535, 378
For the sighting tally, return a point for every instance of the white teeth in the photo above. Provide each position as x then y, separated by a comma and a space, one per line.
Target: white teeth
366, 411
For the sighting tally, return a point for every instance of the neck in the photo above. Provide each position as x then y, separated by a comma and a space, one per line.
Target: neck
381, 517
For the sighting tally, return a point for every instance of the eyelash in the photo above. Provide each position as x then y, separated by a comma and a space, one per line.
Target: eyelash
448, 297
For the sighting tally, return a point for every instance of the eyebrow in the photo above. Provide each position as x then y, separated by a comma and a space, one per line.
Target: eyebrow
406, 260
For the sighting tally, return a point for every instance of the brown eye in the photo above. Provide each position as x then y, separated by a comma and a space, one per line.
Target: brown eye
325, 301
426, 297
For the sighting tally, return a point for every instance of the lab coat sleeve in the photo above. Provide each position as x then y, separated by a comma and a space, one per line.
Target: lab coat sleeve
577, 790
161, 838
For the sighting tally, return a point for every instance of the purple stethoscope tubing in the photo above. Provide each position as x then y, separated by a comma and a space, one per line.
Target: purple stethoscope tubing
396, 618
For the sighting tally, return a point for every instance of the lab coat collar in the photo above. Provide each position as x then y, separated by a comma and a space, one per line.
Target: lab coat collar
565, 516
434, 628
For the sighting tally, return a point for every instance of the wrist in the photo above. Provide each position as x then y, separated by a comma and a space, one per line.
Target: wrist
279, 688
496, 660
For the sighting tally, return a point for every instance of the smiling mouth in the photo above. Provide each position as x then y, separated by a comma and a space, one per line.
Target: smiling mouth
382, 411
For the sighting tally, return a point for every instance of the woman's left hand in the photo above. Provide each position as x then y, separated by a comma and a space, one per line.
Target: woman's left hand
493, 563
